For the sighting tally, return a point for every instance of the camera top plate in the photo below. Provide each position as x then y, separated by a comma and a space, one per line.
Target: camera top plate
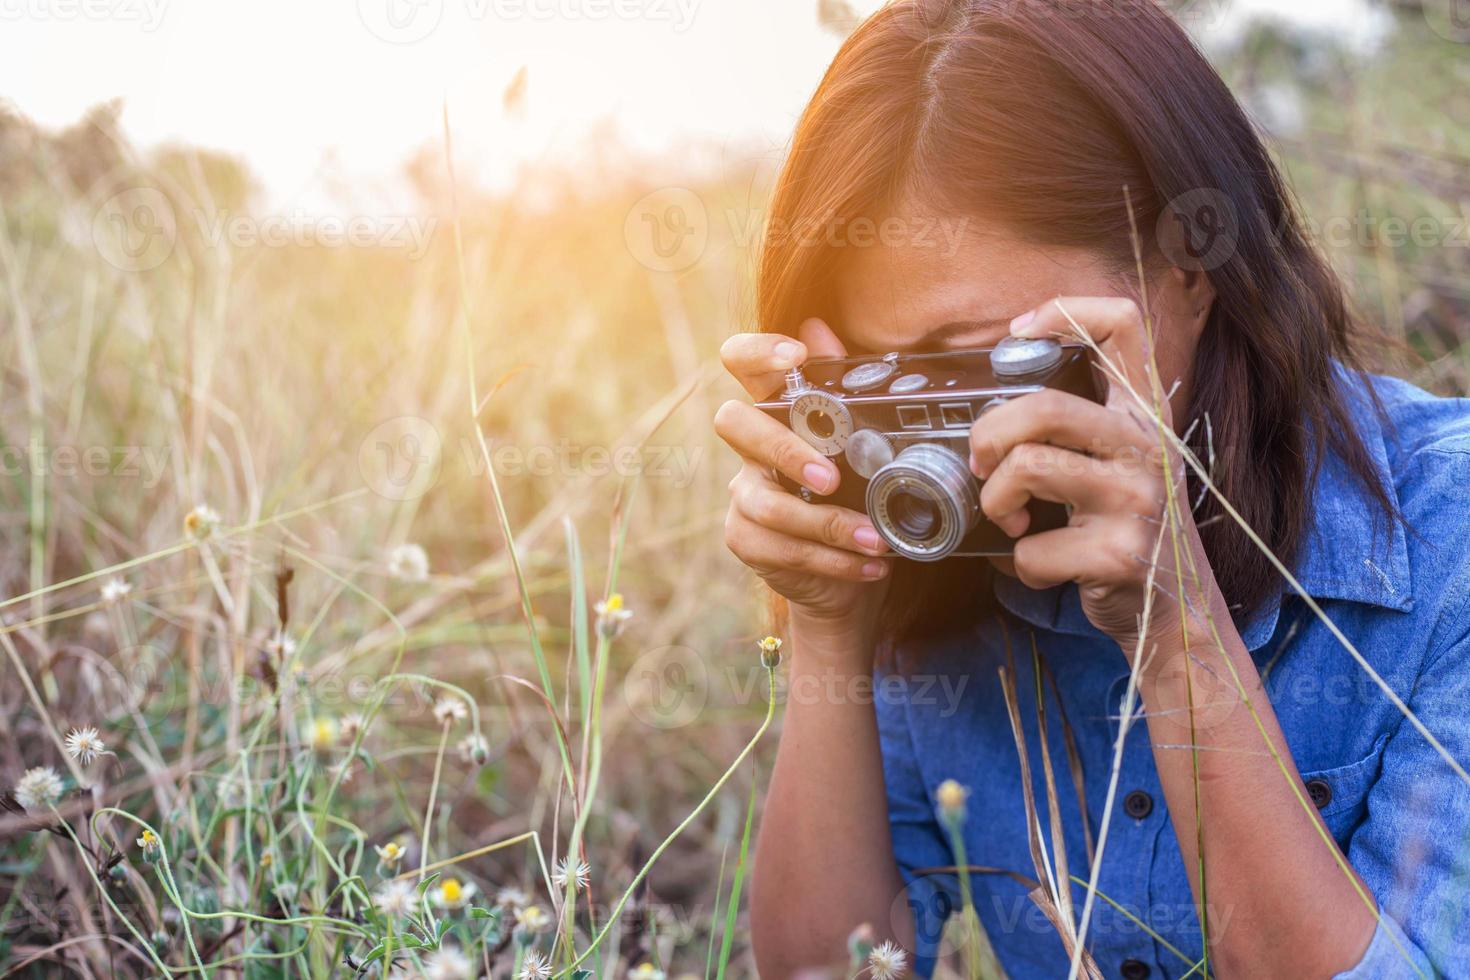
944, 374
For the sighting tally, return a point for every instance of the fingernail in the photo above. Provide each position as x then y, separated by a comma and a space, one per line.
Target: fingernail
875, 570
1019, 323
787, 352
817, 477
867, 539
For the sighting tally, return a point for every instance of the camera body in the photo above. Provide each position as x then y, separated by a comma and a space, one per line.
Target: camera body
898, 428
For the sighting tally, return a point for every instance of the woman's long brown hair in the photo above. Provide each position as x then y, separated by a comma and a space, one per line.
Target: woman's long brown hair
1036, 114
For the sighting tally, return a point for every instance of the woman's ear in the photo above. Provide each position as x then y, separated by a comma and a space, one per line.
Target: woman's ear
1198, 292
1190, 298
820, 339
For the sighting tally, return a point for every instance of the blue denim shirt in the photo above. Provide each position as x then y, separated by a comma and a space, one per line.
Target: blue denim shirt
1397, 810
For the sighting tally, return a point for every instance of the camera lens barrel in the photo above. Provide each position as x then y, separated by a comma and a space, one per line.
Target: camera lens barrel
925, 502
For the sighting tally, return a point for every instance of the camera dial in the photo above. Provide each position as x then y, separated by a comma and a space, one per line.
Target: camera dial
1024, 357
866, 377
822, 421
908, 383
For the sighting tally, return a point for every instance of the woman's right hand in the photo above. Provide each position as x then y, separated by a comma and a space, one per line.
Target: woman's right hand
826, 560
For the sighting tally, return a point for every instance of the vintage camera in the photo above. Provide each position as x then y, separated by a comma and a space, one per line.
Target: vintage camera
898, 428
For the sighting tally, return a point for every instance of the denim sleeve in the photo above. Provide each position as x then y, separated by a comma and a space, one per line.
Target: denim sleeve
1413, 850
918, 840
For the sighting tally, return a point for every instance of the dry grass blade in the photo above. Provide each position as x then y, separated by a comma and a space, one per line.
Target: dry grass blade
1048, 892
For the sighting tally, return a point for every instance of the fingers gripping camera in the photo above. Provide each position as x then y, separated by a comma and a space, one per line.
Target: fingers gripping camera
898, 428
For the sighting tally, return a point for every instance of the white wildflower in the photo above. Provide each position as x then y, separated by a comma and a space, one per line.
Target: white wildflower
645, 971
321, 734
533, 918
612, 616
448, 963
770, 652
394, 899
535, 967
38, 788
281, 646
390, 855
451, 893
348, 726
84, 745
474, 750
151, 846
951, 797
115, 590
580, 873
409, 563
201, 522
448, 709
888, 961
512, 898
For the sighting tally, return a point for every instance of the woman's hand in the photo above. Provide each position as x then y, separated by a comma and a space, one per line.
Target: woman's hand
1107, 462
826, 560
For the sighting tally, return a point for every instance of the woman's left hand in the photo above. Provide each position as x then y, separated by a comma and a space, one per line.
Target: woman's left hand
1107, 462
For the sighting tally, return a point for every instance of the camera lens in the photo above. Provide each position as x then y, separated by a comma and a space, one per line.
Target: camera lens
925, 502
821, 425
914, 515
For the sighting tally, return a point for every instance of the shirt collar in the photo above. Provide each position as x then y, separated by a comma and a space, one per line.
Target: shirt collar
1350, 552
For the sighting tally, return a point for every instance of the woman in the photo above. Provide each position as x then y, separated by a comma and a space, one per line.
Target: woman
1316, 829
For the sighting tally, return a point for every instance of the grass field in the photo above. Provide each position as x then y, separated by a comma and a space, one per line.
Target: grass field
329, 527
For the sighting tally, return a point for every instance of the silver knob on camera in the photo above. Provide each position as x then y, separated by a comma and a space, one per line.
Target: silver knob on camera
1022, 357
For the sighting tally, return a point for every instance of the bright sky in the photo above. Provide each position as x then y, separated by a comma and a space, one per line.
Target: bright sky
289, 83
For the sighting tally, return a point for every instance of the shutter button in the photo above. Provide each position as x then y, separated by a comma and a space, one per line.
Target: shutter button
1138, 804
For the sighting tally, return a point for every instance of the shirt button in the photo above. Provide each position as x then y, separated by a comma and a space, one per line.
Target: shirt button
1134, 970
1138, 805
1320, 791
